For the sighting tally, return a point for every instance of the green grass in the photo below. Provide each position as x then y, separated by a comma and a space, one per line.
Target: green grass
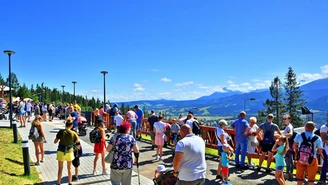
11, 162
214, 152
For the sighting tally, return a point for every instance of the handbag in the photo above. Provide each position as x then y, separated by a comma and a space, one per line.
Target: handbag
254, 141
109, 157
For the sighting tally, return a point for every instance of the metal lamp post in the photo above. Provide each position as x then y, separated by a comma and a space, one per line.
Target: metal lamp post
63, 86
9, 53
104, 73
74, 82
251, 99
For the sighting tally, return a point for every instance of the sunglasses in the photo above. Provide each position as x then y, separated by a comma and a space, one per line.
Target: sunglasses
285, 119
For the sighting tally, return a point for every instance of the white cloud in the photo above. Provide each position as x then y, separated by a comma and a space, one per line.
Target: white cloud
184, 84
95, 91
305, 78
145, 81
324, 69
165, 80
138, 87
245, 84
230, 82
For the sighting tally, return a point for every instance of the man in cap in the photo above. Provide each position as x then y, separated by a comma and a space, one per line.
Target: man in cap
241, 127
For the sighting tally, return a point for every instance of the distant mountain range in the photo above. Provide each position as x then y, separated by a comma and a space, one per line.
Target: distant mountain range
232, 102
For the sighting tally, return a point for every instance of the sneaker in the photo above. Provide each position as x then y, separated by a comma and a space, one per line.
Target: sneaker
37, 164
268, 170
251, 165
105, 173
226, 183
42, 160
94, 172
244, 168
291, 176
161, 159
238, 166
157, 157
75, 179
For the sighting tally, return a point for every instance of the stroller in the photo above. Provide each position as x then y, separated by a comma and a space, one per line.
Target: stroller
166, 178
3, 113
82, 126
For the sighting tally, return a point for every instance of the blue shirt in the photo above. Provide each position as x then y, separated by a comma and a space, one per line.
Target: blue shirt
240, 126
225, 160
280, 158
139, 113
317, 144
75, 122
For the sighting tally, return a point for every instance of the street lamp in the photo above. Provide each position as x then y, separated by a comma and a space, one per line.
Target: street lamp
63, 86
9, 53
104, 73
74, 82
251, 99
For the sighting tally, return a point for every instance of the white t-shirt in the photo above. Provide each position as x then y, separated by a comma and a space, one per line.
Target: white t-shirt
190, 122
118, 120
324, 129
159, 126
193, 163
218, 133
288, 129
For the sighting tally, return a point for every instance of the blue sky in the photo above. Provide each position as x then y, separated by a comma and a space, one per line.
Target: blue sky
163, 49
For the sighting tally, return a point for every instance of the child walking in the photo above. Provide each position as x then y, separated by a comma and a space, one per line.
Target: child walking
281, 147
226, 156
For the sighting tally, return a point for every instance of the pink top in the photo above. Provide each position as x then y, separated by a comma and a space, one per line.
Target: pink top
101, 112
131, 115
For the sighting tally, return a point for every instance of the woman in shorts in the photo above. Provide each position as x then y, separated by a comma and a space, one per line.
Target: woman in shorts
67, 139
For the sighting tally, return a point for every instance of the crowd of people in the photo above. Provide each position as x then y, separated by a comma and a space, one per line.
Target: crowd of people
189, 164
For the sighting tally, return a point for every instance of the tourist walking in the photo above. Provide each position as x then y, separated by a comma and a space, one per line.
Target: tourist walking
67, 140
151, 120
189, 163
99, 148
225, 158
113, 113
38, 142
289, 158
222, 138
22, 113
118, 119
159, 129
252, 140
140, 118
44, 111
37, 110
132, 117
242, 128
268, 128
28, 107
121, 166
281, 146
307, 164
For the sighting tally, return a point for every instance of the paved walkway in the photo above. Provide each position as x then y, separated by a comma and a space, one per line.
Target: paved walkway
48, 170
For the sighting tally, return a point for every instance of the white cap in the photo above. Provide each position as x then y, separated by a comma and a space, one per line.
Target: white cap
160, 168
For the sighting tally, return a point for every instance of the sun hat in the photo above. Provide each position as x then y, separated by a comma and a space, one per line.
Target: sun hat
161, 168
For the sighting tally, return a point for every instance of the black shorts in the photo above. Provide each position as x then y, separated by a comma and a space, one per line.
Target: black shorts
266, 147
76, 162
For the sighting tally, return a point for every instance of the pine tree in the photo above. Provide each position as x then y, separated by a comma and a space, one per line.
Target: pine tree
275, 106
294, 97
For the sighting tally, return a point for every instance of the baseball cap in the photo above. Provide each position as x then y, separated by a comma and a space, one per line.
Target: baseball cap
161, 168
100, 120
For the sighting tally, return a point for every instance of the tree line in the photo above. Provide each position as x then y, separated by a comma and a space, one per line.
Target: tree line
286, 98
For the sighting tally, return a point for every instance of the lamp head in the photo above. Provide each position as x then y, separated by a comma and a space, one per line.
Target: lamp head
104, 72
8, 52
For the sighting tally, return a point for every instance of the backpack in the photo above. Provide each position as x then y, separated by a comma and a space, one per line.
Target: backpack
34, 134
306, 150
94, 136
195, 127
266, 137
112, 111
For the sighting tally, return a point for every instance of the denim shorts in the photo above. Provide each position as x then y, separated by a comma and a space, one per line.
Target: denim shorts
279, 167
220, 150
139, 127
